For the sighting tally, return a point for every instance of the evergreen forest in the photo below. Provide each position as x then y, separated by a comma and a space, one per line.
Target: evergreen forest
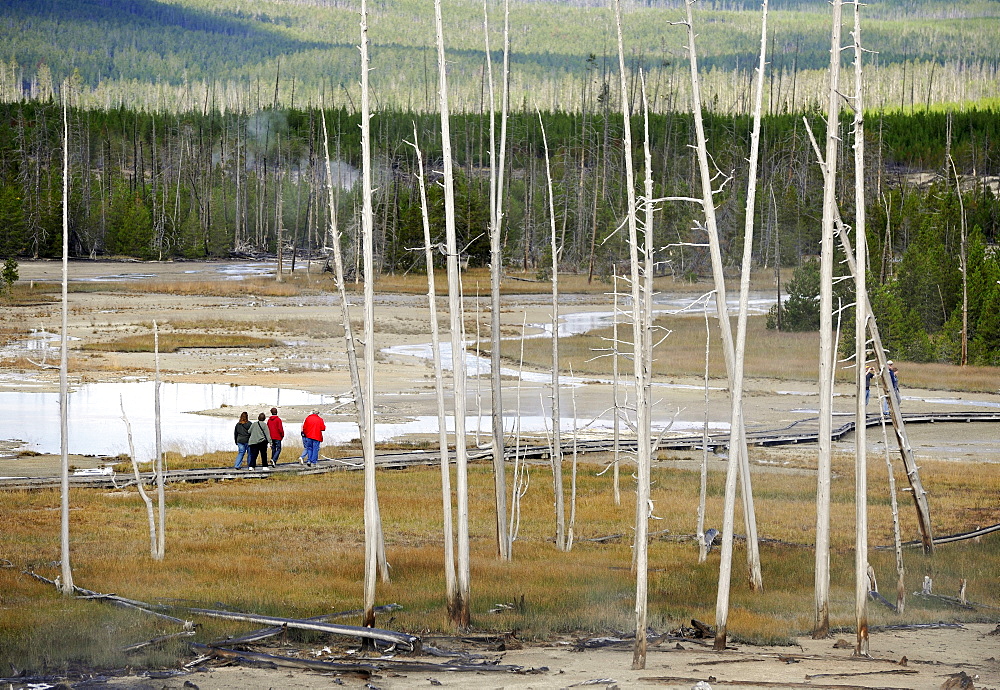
210, 186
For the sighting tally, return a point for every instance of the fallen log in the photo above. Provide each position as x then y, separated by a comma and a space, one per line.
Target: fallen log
411, 642
116, 600
886, 672
264, 633
683, 680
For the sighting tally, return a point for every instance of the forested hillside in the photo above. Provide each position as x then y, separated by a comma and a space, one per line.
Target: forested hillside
238, 55
210, 185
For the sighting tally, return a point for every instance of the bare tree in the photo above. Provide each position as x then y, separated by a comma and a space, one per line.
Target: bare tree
737, 442
861, 585
448, 529
158, 468
640, 368
373, 528
461, 614
496, 274
556, 447
822, 567
150, 515
66, 586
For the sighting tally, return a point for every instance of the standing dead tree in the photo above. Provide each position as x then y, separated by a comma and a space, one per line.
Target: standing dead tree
373, 526
448, 528
736, 369
822, 567
150, 514
158, 468
640, 366
496, 273
861, 584
461, 613
555, 454
66, 585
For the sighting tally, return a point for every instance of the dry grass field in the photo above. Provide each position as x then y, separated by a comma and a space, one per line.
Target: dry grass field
293, 546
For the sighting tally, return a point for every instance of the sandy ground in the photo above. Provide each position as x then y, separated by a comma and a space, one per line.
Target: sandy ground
921, 660
313, 359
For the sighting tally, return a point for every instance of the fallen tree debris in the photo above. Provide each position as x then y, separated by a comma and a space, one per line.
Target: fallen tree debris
157, 640
410, 642
713, 681
888, 672
369, 667
264, 633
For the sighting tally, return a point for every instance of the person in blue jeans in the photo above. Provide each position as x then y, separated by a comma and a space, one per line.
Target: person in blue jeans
312, 435
241, 434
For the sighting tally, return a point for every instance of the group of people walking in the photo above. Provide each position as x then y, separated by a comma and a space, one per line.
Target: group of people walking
253, 438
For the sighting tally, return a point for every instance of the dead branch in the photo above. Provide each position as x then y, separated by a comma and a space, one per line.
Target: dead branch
410, 641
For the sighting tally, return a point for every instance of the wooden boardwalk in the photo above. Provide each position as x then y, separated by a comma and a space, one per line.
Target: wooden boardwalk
802, 431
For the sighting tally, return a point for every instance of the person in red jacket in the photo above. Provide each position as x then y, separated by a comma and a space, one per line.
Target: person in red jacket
277, 430
312, 433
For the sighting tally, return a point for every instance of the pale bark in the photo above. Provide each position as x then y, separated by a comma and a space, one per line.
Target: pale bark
556, 445
496, 274
860, 333
822, 567
702, 546
737, 443
462, 613
616, 421
896, 540
158, 467
519, 483
572, 481
962, 266
640, 372
448, 529
150, 514
373, 531
66, 585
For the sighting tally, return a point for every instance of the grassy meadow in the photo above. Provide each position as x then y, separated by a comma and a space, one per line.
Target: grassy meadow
293, 546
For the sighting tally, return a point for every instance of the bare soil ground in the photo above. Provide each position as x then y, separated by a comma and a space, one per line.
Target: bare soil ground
313, 359
917, 659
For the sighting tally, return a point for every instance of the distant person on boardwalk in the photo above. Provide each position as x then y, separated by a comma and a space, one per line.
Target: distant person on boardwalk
894, 379
242, 437
277, 430
312, 435
869, 375
259, 438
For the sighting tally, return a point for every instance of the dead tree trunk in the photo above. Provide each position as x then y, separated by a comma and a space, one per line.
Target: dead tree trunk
373, 529
822, 567
736, 383
496, 274
66, 586
556, 453
640, 370
861, 586
147, 501
462, 613
158, 468
448, 529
